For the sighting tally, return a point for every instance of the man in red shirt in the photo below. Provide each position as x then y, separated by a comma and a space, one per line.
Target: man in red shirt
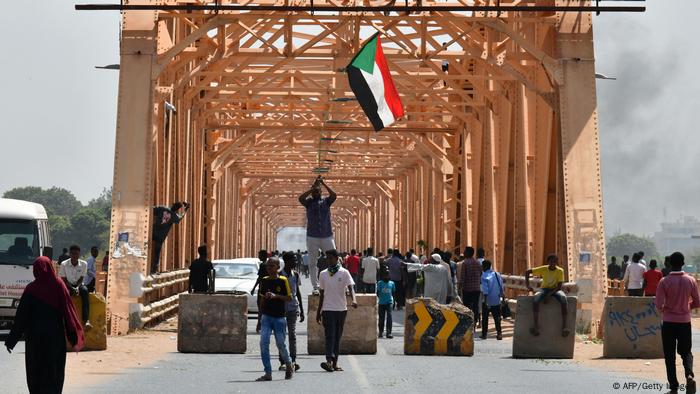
352, 264
676, 295
651, 279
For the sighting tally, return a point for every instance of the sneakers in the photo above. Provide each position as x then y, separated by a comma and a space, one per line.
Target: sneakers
282, 367
88, 324
265, 378
289, 371
389, 336
296, 367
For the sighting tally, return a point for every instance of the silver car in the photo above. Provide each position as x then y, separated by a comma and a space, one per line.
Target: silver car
238, 275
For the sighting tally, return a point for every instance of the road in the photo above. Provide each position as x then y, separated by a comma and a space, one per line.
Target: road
491, 370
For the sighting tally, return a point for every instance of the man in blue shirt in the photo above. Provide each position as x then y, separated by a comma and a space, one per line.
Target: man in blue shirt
319, 231
492, 288
385, 290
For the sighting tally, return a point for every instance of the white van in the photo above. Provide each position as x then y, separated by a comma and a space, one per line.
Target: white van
24, 234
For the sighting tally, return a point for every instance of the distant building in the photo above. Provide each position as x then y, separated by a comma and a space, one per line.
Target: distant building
681, 236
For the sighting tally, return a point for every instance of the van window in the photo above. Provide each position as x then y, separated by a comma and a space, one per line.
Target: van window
19, 241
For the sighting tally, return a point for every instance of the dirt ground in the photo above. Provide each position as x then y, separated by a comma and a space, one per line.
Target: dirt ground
136, 350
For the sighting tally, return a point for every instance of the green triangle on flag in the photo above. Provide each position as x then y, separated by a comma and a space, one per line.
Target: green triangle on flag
364, 60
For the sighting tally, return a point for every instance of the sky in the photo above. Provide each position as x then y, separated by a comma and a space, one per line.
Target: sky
59, 111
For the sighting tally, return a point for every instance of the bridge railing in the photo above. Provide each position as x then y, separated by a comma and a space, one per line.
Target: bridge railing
157, 295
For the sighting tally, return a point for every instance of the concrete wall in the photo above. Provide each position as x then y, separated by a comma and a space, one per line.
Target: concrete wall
359, 333
436, 329
95, 337
212, 323
550, 343
632, 328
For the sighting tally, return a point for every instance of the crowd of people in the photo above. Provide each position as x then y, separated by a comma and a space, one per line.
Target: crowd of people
639, 278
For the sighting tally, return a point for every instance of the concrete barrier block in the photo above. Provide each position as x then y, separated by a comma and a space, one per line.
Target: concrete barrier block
359, 333
435, 329
632, 328
212, 323
550, 343
95, 337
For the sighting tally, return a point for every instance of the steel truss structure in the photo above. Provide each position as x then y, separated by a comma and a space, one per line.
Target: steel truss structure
500, 151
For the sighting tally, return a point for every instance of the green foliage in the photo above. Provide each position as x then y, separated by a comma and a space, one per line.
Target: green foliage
628, 244
70, 221
56, 200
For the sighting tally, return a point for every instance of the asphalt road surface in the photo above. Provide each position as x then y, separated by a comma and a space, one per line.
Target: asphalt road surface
491, 370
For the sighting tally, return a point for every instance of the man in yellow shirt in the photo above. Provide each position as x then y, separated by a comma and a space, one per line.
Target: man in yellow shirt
552, 281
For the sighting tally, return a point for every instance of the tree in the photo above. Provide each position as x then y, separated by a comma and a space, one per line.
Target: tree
627, 244
90, 228
103, 203
56, 200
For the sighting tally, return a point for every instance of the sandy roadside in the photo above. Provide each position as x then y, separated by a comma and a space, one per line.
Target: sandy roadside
136, 350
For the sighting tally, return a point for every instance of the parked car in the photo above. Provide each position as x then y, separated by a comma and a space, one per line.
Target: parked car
238, 275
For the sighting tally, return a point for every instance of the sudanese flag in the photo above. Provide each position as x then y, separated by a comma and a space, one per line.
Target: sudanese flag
374, 89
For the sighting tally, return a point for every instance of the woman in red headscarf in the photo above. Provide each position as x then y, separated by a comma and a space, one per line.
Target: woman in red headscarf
46, 316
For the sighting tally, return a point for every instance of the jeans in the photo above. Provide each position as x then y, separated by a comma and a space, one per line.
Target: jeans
269, 324
635, 292
333, 322
312, 246
558, 295
677, 336
496, 313
155, 257
385, 310
471, 301
292, 334
84, 301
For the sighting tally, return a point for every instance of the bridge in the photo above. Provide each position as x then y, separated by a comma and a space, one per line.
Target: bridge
237, 106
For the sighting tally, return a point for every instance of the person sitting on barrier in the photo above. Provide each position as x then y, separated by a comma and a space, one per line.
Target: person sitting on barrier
552, 281
294, 308
385, 291
73, 271
333, 307
676, 295
651, 279
634, 277
492, 288
201, 273
275, 293
438, 284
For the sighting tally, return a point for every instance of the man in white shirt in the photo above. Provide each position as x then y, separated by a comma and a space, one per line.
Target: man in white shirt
333, 306
634, 277
73, 271
370, 266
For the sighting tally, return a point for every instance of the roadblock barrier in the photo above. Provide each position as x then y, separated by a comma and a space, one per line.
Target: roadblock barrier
632, 328
435, 329
359, 332
550, 343
96, 336
212, 323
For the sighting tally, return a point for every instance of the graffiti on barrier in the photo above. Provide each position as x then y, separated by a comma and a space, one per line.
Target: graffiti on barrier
637, 323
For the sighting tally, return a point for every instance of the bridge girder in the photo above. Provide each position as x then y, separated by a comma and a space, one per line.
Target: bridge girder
500, 152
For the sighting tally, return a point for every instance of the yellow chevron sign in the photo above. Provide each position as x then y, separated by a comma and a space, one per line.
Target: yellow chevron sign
424, 321
451, 321
435, 329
